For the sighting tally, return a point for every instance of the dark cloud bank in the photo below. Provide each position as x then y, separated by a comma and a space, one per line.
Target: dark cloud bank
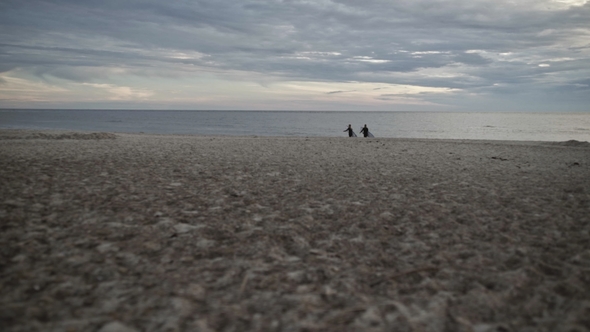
529, 54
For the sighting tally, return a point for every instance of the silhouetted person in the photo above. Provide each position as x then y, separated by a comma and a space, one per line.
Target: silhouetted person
350, 131
365, 131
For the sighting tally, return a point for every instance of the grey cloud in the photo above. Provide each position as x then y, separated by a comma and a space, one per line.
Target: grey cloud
471, 59
339, 91
65, 38
584, 83
79, 74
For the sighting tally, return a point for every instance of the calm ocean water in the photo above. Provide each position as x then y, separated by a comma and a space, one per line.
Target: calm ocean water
489, 126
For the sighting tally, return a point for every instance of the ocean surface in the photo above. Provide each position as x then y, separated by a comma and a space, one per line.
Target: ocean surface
488, 126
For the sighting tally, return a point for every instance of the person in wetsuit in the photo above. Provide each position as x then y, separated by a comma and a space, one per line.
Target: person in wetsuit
365, 131
350, 132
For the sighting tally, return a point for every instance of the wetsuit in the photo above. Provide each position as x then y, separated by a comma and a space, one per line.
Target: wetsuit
365, 131
349, 129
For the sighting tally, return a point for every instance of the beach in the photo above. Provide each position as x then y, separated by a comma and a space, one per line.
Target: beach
134, 232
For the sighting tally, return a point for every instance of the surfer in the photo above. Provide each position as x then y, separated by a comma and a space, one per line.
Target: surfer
350, 131
365, 131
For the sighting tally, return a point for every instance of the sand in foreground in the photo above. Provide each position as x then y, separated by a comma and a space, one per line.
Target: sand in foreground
121, 232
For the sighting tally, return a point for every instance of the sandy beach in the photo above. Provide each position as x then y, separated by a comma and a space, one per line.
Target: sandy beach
134, 232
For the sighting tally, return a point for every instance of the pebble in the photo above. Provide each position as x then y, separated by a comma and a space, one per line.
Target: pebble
116, 326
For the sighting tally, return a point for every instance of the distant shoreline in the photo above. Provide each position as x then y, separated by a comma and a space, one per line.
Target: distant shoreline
6, 133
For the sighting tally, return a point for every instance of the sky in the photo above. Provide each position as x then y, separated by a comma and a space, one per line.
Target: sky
357, 55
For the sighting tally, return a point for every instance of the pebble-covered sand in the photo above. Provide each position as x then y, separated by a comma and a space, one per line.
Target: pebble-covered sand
132, 232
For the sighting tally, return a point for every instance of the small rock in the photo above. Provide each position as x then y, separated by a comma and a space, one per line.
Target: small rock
11, 202
196, 292
185, 228
386, 215
37, 207
370, 320
105, 247
152, 246
205, 243
296, 276
19, 258
116, 326
165, 222
78, 260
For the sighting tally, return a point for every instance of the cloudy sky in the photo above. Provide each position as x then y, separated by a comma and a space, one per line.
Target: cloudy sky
399, 55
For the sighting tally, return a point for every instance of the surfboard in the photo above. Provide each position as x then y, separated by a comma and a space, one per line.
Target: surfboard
371, 135
353, 134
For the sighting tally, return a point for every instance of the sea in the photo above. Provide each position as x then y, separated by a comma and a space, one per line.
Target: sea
432, 125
